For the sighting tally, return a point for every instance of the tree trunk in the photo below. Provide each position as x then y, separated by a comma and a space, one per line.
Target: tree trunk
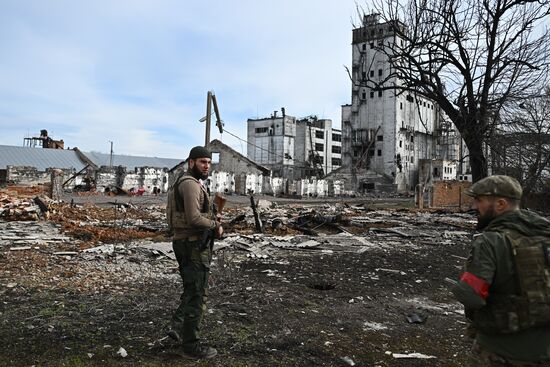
478, 161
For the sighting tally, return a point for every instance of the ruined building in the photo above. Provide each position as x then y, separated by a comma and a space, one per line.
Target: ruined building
43, 141
385, 134
84, 170
318, 147
294, 148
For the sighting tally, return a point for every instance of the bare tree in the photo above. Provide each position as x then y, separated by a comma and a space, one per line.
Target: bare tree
468, 56
521, 147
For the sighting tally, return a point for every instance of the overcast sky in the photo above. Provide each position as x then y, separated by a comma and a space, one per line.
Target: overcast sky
137, 72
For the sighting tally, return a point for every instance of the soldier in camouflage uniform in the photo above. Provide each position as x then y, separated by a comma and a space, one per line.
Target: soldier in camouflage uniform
190, 216
505, 287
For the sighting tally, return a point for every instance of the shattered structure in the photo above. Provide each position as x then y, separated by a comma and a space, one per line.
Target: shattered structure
386, 135
233, 173
84, 171
294, 148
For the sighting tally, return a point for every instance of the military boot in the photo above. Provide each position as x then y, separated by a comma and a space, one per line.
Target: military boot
199, 351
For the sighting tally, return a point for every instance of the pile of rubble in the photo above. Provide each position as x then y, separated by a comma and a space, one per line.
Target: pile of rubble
22, 208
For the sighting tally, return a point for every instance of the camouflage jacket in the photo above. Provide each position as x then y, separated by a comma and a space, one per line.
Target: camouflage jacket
490, 285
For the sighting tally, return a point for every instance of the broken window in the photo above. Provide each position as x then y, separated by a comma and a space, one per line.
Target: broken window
371, 153
336, 149
336, 162
261, 130
215, 158
336, 137
410, 98
319, 147
319, 134
368, 186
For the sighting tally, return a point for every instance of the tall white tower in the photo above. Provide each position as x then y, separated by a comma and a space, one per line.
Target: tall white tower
384, 131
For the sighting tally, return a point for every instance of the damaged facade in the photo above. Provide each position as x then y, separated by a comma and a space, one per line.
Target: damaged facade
295, 148
84, 171
385, 132
233, 173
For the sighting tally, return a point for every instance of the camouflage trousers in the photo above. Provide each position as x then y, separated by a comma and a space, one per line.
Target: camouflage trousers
194, 268
481, 357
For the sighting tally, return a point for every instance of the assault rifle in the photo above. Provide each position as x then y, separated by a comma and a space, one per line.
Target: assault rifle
209, 235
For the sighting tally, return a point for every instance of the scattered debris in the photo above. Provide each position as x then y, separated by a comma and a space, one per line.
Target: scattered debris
257, 221
348, 360
414, 318
122, 352
365, 268
412, 355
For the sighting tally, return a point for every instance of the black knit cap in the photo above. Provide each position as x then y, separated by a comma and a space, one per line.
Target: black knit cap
199, 152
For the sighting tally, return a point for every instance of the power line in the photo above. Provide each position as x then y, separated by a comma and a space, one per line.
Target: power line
303, 165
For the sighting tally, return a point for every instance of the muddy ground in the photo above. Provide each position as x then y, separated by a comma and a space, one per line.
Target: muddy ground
334, 305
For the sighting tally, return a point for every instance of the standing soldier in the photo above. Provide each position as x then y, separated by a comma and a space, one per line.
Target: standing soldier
190, 217
505, 287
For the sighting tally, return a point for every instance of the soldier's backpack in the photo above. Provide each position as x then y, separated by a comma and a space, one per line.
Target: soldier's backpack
531, 306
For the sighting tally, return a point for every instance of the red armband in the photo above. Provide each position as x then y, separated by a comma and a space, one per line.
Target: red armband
480, 286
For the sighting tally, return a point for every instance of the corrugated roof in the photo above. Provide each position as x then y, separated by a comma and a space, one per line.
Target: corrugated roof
40, 158
130, 161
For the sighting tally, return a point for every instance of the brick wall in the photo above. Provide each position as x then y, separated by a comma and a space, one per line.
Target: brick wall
450, 194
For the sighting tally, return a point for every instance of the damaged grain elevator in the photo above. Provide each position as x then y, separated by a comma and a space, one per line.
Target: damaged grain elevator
383, 132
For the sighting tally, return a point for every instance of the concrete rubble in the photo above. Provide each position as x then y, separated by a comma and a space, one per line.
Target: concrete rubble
122, 229
387, 270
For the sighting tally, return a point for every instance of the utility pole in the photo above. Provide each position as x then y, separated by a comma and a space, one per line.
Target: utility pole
211, 100
111, 156
208, 118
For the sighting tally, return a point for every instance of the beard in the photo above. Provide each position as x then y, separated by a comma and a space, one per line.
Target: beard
195, 172
484, 220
